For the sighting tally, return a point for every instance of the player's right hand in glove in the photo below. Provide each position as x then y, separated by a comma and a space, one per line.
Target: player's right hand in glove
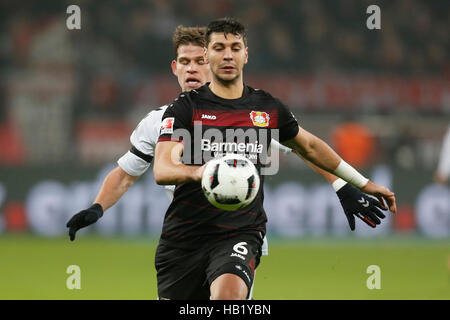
84, 218
356, 203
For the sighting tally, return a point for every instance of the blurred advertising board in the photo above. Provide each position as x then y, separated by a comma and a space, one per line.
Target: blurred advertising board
298, 203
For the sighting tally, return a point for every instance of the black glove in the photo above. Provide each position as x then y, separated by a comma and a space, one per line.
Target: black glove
359, 204
83, 219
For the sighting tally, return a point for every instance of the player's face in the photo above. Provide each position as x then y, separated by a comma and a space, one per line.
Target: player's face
190, 67
226, 56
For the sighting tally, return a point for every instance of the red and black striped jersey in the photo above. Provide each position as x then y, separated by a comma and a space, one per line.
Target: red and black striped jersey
210, 126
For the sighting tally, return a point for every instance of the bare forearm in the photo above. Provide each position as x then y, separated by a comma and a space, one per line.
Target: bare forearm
173, 174
316, 151
114, 187
321, 155
325, 174
167, 167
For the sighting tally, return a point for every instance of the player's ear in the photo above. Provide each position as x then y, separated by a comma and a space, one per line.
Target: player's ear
174, 67
246, 55
205, 56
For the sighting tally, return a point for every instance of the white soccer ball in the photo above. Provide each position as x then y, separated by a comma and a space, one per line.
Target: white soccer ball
230, 182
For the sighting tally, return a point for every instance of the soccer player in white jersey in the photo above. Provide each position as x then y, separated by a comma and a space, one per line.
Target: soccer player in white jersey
192, 72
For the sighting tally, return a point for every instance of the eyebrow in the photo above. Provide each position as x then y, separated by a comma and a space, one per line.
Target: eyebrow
186, 58
232, 44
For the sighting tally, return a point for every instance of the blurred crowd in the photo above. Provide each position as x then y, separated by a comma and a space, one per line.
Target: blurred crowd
55, 82
284, 35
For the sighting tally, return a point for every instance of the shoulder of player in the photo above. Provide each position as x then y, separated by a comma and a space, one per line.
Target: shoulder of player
185, 101
188, 96
263, 95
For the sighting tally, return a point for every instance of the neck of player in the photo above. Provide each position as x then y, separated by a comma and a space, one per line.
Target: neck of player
227, 90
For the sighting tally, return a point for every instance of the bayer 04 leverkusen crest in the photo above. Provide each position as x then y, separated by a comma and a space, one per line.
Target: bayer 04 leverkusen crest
260, 118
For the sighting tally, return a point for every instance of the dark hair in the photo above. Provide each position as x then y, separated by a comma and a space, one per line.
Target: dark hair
188, 35
226, 25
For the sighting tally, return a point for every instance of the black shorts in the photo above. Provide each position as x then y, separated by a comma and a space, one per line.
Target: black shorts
187, 274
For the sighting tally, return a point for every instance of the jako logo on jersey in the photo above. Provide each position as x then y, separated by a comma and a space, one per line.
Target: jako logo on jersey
259, 118
209, 117
167, 126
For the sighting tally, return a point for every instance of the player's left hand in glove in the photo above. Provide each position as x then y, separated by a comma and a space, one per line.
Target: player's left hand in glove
356, 203
84, 218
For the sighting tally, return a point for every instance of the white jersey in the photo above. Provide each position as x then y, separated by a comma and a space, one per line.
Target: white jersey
444, 159
143, 141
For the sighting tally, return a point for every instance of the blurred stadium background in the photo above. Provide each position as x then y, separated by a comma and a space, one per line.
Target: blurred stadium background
69, 100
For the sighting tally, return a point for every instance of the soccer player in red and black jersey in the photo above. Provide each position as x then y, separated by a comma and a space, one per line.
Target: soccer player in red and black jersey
192, 72
204, 251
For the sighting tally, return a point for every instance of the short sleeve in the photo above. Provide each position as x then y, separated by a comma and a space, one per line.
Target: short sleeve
143, 142
178, 115
287, 123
